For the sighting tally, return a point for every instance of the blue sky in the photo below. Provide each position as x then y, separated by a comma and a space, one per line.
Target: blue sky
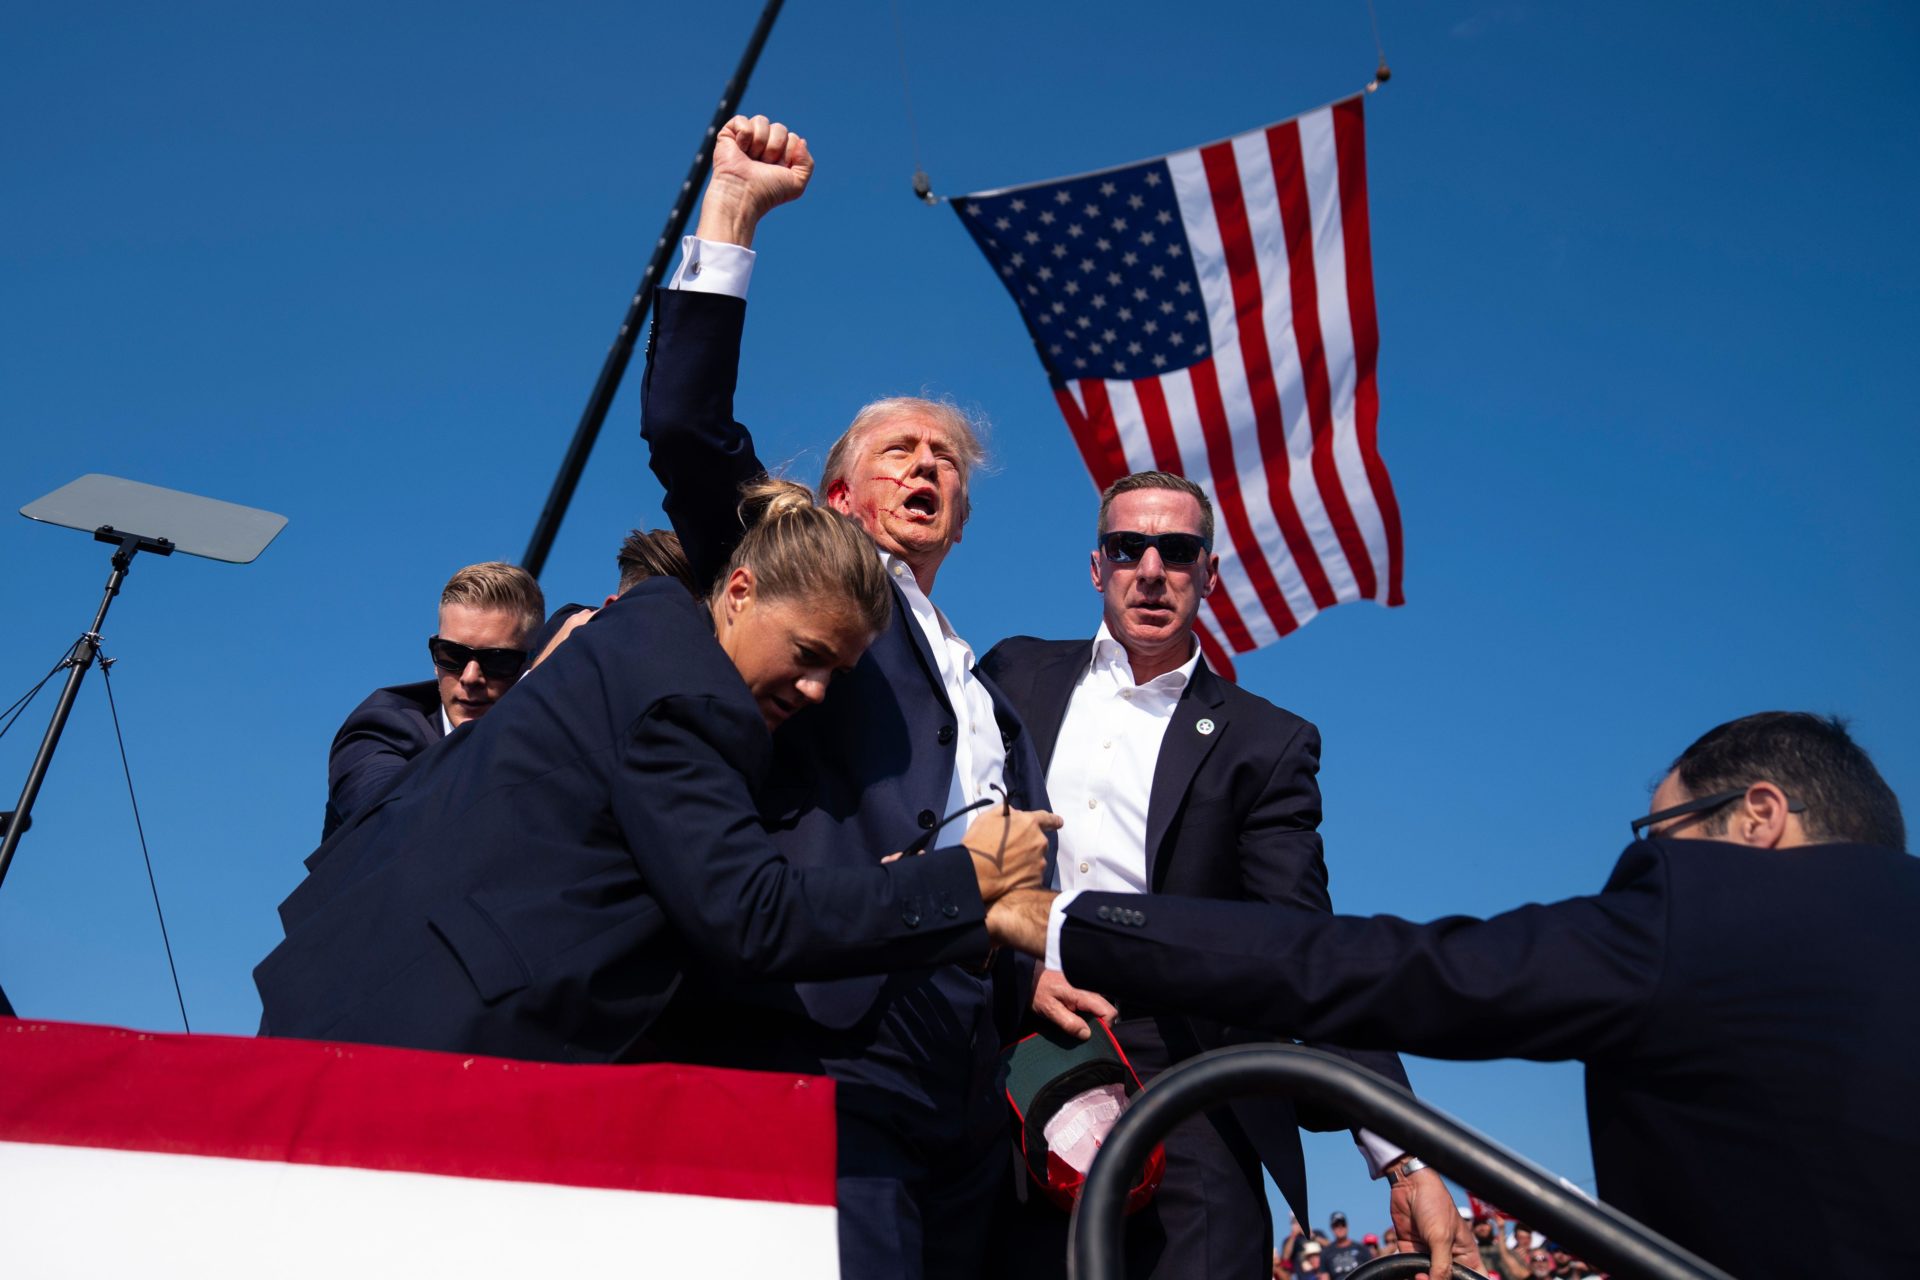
1643, 272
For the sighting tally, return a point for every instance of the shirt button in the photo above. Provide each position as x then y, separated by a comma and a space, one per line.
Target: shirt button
1126, 693
693, 268
1107, 745
1092, 803
927, 819
1084, 868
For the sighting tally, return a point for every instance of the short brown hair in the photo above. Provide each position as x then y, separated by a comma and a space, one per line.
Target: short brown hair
800, 550
495, 584
1156, 480
655, 554
963, 429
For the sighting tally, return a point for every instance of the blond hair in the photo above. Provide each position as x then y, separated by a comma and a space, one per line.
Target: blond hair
962, 430
800, 550
495, 584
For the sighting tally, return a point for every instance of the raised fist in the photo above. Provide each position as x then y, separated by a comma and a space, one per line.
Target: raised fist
758, 164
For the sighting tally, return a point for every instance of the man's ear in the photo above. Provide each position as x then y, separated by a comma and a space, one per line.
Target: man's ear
610, 599
1093, 571
1762, 820
840, 498
1213, 576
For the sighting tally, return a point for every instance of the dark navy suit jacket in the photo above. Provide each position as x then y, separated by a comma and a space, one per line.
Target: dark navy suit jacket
1747, 1018
856, 778
381, 738
536, 886
1234, 814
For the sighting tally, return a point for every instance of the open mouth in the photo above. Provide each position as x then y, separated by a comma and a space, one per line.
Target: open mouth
924, 503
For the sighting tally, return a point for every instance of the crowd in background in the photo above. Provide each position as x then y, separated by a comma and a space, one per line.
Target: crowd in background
1509, 1250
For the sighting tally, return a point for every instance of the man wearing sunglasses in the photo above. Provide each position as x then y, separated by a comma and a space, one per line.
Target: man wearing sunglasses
1741, 991
1172, 780
487, 611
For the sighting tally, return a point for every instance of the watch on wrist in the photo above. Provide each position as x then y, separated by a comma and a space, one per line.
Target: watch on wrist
1401, 1172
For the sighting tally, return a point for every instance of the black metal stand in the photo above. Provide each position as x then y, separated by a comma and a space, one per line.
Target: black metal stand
85, 649
615, 366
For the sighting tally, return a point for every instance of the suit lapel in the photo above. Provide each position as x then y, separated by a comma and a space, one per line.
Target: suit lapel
1053, 682
904, 619
1181, 753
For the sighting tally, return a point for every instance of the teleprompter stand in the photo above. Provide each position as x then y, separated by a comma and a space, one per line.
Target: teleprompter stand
133, 517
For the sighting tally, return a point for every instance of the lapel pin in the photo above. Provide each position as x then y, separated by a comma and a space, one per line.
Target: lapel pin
1205, 726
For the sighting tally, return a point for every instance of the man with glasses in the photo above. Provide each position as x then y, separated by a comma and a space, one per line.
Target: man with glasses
1172, 780
487, 611
1741, 991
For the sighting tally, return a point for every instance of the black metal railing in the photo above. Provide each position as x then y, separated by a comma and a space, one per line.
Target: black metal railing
1606, 1238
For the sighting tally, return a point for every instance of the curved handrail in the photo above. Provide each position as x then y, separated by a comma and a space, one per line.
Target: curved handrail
1604, 1236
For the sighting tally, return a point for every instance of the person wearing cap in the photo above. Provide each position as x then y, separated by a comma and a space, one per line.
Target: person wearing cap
1172, 780
1343, 1253
1740, 991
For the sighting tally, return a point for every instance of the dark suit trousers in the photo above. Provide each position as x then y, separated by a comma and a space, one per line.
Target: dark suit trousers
1208, 1221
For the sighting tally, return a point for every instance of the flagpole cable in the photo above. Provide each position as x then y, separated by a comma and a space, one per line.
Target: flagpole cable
922, 186
1383, 72
106, 676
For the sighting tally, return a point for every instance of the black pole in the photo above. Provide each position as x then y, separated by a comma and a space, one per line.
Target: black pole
595, 414
78, 663
1605, 1237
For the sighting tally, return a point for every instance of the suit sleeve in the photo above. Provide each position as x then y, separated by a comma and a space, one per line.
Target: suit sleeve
1282, 861
683, 804
1568, 980
696, 449
369, 752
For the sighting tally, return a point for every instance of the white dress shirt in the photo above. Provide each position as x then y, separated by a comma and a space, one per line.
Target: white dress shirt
1101, 779
1101, 783
979, 757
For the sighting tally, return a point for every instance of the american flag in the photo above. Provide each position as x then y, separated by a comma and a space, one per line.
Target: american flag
1210, 313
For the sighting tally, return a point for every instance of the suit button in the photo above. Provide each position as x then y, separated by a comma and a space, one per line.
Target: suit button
927, 819
1139, 917
912, 918
1105, 913
945, 735
949, 911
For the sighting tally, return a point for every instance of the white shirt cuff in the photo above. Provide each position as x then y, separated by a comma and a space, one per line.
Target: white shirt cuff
709, 266
1057, 916
1379, 1152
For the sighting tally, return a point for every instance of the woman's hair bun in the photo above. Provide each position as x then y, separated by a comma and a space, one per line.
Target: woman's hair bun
771, 498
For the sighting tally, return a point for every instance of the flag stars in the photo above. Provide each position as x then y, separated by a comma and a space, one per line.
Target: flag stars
1184, 288
1151, 326
1107, 189
1074, 230
1046, 217
1166, 308
1139, 295
1130, 258
1103, 244
1092, 210
1003, 224
1125, 313
1153, 177
1079, 362
1061, 197
1096, 348
1163, 217
1032, 237
1159, 272
1085, 322
1086, 264
1146, 237
1113, 278
1119, 368
1108, 335
1134, 348
1119, 224
1059, 251
1136, 201
1059, 308
1174, 250
1018, 205
1193, 317
1098, 302
1175, 339
1018, 259
1045, 273
1072, 287
1159, 362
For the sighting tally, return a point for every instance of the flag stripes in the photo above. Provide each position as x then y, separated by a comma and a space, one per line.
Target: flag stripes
1239, 328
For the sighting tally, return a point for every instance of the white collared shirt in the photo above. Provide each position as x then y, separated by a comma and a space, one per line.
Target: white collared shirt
979, 757
1101, 779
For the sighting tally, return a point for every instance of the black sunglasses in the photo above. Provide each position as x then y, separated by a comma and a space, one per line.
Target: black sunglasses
1704, 805
495, 664
1124, 546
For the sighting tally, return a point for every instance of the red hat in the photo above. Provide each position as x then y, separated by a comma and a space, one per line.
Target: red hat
1369, 1238
1044, 1071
